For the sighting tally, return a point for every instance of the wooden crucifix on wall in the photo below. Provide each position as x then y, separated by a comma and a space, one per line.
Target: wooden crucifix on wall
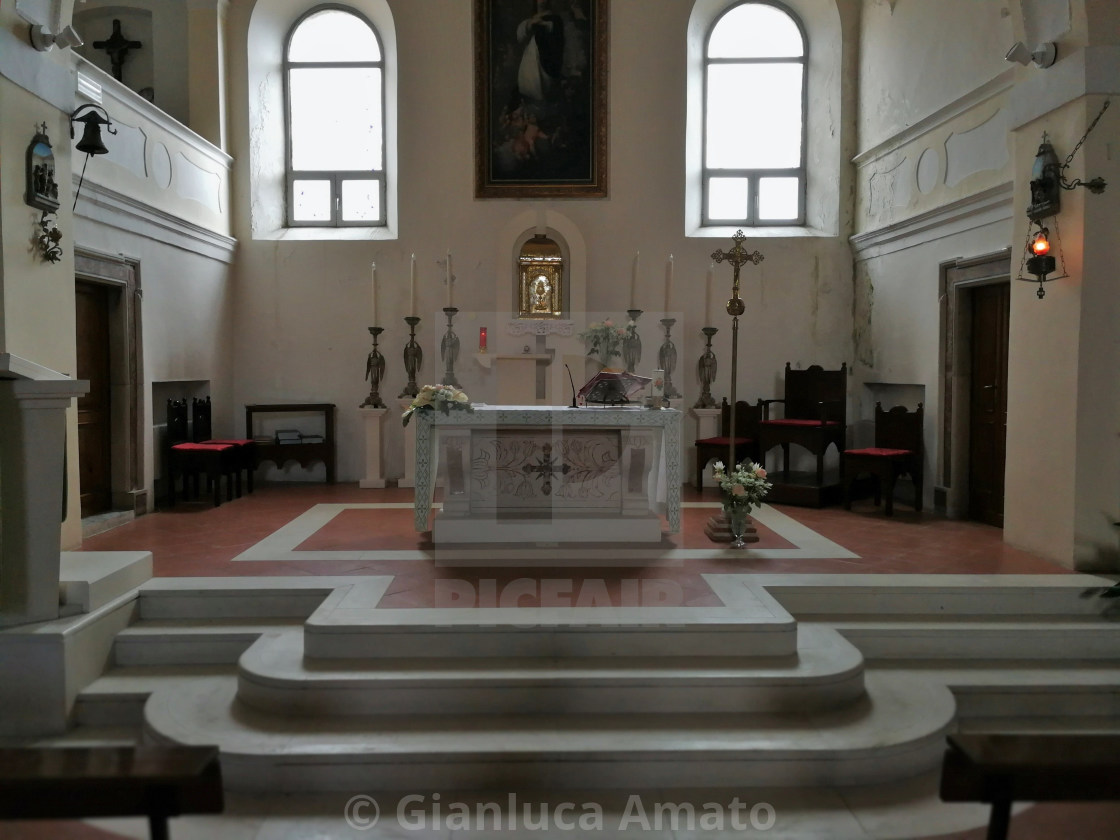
117, 47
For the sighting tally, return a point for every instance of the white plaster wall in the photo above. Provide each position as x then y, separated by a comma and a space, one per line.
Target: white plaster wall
917, 56
186, 318
303, 307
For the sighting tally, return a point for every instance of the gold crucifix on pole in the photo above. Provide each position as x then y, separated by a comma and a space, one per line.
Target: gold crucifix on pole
738, 256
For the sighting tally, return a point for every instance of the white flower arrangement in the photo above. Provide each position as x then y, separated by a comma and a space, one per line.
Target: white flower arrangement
443, 398
745, 486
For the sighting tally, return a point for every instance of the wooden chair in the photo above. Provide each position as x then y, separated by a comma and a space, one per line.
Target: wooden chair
814, 417
897, 451
190, 459
747, 416
244, 457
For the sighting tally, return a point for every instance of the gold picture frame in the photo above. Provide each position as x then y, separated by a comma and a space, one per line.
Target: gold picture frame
541, 98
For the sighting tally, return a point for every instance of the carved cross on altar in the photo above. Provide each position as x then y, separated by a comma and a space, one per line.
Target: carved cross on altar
546, 468
117, 47
738, 257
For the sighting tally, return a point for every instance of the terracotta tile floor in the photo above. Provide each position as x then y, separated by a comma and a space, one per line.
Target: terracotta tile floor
197, 540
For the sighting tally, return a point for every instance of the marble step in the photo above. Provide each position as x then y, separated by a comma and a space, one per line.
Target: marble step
897, 730
117, 697
826, 673
926, 637
191, 641
241, 597
350, 625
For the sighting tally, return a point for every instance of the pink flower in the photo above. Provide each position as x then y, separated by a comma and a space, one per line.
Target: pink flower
760, 472
738, 490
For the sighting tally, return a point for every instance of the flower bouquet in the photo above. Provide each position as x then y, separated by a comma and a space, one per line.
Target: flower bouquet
604, 339
444, 398
742, 488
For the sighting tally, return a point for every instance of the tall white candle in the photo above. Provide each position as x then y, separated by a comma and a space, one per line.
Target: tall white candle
412, 287
668, 286
373, 278
708, 320
634, 281
449, 277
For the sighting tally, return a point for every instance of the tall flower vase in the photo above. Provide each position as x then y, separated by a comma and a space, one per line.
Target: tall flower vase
738, 519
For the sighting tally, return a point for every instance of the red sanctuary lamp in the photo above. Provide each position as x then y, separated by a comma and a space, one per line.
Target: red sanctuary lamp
1041, 263
482, 339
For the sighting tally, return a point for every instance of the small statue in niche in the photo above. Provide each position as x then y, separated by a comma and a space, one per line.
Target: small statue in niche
42, 190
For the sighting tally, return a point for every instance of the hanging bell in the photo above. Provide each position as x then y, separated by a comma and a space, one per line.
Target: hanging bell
91, 143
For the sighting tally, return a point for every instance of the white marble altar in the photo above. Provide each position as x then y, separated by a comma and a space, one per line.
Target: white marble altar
549, 474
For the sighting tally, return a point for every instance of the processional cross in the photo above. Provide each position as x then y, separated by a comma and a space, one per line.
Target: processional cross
117, 47
738, 256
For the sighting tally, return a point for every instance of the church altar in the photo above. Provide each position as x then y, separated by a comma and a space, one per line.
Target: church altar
549, 474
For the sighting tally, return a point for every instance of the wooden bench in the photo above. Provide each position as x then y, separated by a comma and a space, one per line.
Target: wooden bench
79, 782
1001, 769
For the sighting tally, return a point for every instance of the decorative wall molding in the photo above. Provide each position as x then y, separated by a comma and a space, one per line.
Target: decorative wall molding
1000, 84
985, 208
540, 326
101, 204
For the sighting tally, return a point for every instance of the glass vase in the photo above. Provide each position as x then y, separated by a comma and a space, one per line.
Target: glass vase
738, 519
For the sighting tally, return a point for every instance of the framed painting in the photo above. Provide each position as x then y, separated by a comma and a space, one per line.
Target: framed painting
540, 98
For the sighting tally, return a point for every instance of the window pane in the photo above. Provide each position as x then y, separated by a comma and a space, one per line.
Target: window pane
311, 201
753, 116
778, 198
728, 197
361, 200
754, 30
333, 35
336, 118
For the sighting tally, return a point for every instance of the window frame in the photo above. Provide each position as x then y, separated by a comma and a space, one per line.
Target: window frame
335, 177
754, 175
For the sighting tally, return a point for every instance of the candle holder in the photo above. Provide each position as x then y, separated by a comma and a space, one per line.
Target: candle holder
632, 344
667, 359
375, 372
449, 348
706, 370
413, 358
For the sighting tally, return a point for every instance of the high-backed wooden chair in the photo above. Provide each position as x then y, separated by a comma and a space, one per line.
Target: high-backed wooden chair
897, 451
189, 459
747, 416
814, 416
244, 456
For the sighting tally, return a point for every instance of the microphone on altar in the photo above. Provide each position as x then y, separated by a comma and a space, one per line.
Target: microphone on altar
573, 385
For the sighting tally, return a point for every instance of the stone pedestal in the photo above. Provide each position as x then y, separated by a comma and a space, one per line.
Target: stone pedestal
32, 493
375, 470
707, 425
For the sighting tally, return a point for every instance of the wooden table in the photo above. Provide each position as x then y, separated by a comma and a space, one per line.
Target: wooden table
79, 782
1001, 769
305, 454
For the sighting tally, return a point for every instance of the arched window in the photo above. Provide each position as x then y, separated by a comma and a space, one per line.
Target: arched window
334, 74
754, 118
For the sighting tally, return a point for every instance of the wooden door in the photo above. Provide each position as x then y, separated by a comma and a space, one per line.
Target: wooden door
94, 427
991, 307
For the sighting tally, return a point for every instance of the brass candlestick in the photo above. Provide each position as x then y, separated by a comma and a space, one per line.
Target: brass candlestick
375, 372
706, 370
413, 358
632, 344
449, 348
667, 359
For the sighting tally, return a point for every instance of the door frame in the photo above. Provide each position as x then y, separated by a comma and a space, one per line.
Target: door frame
958, 277
126, 373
